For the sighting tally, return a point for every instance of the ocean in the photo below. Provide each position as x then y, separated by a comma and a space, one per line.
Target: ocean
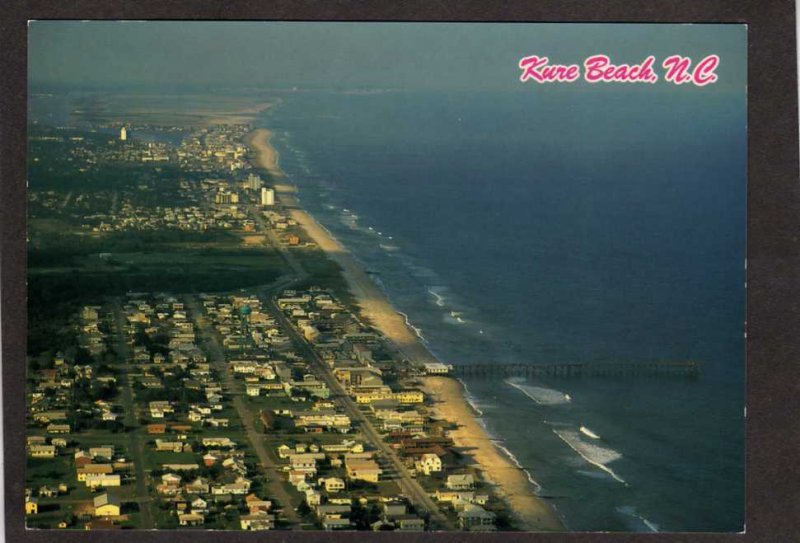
581, 225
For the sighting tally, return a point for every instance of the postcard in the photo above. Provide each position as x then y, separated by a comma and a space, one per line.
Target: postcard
384, 276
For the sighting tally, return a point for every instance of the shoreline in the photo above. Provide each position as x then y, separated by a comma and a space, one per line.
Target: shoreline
510, 482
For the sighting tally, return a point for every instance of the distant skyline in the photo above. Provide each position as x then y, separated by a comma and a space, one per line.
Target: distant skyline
406, 56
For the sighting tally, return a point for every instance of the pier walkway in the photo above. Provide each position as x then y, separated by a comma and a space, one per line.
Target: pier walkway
688, 368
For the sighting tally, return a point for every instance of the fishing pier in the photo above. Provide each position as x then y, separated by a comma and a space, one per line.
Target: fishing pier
687, 369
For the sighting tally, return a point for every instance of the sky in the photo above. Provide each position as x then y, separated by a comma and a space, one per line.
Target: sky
410, 56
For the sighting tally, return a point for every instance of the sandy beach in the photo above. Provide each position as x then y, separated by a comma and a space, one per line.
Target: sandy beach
511, 483
241, 115
258, 140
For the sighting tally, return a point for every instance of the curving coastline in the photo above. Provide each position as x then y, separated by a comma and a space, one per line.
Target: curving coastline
511, 483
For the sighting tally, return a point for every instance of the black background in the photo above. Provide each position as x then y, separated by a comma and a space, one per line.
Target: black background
773, 255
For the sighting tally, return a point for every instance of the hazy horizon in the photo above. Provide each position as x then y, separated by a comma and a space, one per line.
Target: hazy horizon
327, 55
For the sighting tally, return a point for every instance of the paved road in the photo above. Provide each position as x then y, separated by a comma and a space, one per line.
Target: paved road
286, 253
234, 388
408, 485
136, 447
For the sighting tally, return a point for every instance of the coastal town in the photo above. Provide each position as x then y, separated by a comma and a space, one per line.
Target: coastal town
228, 377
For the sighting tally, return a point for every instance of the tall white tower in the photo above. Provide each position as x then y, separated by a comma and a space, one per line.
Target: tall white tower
123, 134
267, 197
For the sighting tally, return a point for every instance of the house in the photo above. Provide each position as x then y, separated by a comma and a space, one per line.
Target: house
168, 446
428, 463
362, 470
332, 510
313, 497
460, 482
394, 509
255, 504
82, 459
240, 487
102, 480
42, 451
218, 442
103, 452
31, 506
156, 428
198, 486
93, 469
58, 428
107, 505
454, 496
336, 523
409, 523
180, 467
191, 519
305, 462
102, 524
48, 492
476, 518
200, 506
171, 479
257, 521
209, 460
332, 484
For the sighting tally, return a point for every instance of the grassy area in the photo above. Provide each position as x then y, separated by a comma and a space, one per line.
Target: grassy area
324, 273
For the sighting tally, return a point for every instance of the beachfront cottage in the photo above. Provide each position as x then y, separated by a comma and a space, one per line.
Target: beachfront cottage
463, 481
476, 519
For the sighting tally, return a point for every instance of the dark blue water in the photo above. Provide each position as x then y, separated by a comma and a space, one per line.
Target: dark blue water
579, 225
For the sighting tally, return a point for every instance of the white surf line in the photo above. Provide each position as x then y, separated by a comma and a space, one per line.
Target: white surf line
589, 460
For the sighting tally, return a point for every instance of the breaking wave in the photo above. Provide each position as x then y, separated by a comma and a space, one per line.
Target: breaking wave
594, 454
540, 395
585, 431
